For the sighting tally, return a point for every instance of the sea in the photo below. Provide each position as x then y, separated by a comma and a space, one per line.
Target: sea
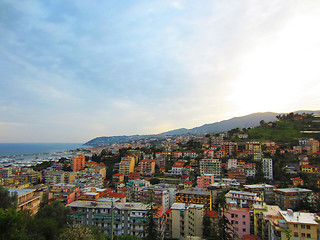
33, 153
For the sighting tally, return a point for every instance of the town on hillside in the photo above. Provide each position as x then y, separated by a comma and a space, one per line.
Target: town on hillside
255, 183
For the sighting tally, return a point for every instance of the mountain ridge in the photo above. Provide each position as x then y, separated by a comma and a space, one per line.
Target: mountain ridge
246, 121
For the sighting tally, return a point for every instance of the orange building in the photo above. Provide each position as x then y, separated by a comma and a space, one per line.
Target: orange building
78, 163
147, 166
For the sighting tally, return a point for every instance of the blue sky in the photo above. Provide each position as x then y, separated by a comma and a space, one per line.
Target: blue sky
74, 70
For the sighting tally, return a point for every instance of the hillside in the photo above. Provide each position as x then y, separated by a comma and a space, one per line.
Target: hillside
251, 120
288, 129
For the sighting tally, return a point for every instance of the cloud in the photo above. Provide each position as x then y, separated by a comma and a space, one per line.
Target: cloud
117, 68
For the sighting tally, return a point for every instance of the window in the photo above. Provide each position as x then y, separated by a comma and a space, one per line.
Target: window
303, 226
303, 234
243, 223
244, 230
232, 215
295, 225
308, 226
243, 216
308, 235
295, 234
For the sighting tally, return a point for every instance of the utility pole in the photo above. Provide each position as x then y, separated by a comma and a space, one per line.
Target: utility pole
112, 220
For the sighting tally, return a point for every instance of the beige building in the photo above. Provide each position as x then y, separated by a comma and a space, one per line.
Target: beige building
185, 220
27, 200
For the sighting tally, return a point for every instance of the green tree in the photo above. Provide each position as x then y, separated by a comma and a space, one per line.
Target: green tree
54, 218
77, 232
151, 230
7, 200
223, 228
12, 225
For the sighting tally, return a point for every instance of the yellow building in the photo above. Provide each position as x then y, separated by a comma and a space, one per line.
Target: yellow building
221, 153
310, 168
27, 200
126, 165
185, 220
301, 225
195, 196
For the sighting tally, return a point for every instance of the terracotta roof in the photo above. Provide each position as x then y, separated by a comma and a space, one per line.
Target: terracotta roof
188, 182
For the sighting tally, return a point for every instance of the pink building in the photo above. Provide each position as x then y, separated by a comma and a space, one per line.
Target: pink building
209, 153
205, 180
240, 220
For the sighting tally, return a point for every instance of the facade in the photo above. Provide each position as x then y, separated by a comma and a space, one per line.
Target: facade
78, 163
231, 148
27, 199
147, 167
262, 214
128, 218
126, 165
250, 169
210, 166
239, 219
288, 198
265, 191
205, 180
160, 195
195, 196
185, 220
267, 168
134, 187
243, 199
65, 193
232, 163
255, 149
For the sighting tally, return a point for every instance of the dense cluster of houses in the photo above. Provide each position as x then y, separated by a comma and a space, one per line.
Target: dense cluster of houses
188, 183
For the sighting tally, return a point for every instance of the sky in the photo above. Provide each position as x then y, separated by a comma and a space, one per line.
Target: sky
71, 71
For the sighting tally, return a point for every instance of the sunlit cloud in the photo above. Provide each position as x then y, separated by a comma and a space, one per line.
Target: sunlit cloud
76, 70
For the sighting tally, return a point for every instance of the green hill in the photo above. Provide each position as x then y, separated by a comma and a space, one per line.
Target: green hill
288, 128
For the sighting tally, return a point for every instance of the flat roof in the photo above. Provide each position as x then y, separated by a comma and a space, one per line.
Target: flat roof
20, 192
299, 217
293, 190
252, 186
183, 206
117, 205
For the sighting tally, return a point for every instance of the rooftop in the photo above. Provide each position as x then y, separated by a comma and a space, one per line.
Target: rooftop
183, 206
299, 217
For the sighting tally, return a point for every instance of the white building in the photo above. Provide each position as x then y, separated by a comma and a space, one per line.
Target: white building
267, 168
232, 164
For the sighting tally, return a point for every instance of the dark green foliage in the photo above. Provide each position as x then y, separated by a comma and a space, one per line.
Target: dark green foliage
127, 237
222, 230
12, 225
82, 232
151, 230
154, 181
7, 201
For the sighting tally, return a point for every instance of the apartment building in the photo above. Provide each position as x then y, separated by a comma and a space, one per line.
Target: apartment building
147, 167
78, 163
255, 149
160, 196
185, 220
195, 196
127, 218
205, 180
27, 199
126, 165
288, 198
65, 193
243, 199
210, 166
231, 148
239, 219
265, 191
267, 168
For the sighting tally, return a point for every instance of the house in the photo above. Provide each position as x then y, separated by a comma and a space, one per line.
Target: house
297, 181
27, 199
